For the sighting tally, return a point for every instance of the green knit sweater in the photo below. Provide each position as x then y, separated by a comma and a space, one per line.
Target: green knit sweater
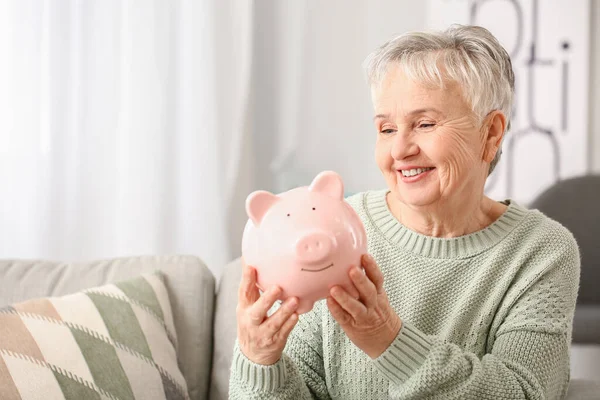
485, 316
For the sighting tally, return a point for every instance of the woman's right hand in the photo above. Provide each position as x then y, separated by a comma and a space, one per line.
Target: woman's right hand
261, 338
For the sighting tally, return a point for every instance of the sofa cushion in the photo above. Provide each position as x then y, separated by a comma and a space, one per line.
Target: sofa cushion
189, 283
116, 340
225, 329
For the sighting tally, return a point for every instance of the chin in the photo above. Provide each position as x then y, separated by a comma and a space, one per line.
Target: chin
414, 198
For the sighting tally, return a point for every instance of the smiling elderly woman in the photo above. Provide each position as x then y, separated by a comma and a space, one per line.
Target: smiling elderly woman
463, 297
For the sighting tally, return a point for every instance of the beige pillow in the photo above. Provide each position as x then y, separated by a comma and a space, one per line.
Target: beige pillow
112, 342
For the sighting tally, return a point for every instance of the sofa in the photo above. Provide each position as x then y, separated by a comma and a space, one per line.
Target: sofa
203, 312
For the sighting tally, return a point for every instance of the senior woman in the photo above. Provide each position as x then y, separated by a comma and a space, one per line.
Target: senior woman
462, 296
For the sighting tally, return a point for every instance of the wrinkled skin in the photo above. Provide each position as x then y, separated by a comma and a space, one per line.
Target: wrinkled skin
369, 321
261, 338
432, 127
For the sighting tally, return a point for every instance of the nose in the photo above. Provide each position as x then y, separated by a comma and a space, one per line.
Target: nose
314, 247
404, 146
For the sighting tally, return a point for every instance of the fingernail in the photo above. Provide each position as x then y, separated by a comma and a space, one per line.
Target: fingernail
293, 302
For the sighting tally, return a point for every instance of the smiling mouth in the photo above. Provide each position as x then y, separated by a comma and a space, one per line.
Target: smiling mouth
409, 173
317, 270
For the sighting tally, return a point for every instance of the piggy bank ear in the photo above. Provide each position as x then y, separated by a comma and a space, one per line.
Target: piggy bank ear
258, 203
328, 183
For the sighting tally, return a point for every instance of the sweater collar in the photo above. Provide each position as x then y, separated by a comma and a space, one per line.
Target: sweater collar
433, 247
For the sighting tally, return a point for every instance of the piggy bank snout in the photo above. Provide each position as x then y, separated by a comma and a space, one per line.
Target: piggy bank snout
314, 247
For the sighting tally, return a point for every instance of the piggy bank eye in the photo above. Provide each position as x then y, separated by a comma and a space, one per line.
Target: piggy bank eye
288, 214
314, 208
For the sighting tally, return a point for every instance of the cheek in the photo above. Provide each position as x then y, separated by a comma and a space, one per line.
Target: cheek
382, 154
456, 150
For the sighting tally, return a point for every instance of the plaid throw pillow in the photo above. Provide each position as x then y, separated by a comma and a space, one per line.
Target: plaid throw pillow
112, 342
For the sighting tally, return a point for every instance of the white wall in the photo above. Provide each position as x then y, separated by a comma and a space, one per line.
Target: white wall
310, 86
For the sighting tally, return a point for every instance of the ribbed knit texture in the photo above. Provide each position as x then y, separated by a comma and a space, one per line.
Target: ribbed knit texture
485, 316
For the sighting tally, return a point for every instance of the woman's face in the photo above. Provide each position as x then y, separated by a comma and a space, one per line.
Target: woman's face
431, 148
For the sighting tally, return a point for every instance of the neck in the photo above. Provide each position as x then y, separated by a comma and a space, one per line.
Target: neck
449, 218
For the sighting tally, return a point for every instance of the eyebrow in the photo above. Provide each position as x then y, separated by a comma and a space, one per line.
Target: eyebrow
413, 112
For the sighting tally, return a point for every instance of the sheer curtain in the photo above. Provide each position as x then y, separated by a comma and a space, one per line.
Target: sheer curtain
122, 127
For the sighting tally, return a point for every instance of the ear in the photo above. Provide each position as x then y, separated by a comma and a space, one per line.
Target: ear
328, 183
258, 203
496, 126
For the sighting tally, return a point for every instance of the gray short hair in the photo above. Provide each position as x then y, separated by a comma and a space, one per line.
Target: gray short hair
468, 55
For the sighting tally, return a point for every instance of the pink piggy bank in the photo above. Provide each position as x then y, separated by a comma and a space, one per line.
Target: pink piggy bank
304, 240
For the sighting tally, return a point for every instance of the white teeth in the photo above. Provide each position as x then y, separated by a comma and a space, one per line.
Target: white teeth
413, 172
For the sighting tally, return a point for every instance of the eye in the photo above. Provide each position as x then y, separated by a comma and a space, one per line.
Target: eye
425, 125
387, 131
288, 214
314, 209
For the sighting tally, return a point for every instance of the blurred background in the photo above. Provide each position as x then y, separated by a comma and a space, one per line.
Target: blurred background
139, 127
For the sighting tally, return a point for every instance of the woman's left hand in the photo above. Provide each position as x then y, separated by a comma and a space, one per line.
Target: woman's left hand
369, 321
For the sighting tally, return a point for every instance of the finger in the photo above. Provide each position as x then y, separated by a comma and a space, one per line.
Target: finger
366, 288
337, 312
258, 311
352, 306
352, 290
286, 328
373, 272
276, 321
248, 292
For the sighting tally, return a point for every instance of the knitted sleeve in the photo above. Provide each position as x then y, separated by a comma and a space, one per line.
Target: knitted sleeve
298, 375
528, 357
